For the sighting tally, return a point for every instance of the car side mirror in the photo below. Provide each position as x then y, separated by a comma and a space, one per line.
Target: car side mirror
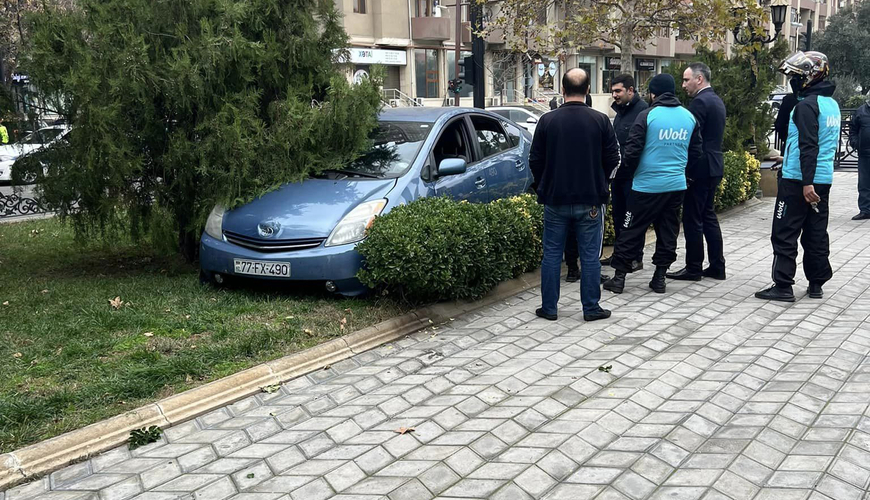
452, 166
532, 119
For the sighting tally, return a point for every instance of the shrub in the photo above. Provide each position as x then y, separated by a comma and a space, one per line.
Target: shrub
740, 181
436, 248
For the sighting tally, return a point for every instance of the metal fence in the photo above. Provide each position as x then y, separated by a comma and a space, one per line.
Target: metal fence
14, 206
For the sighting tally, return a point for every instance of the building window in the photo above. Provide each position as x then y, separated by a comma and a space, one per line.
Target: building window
612, 67
359, 6
426, 72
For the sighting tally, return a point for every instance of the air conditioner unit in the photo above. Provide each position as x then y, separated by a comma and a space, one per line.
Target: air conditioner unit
395, 103
418, 101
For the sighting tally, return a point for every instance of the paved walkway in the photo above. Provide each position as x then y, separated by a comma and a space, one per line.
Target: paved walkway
712, 395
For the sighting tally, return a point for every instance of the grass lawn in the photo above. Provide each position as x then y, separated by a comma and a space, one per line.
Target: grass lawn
68, 357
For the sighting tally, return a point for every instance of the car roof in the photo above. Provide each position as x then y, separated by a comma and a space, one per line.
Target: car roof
423, 114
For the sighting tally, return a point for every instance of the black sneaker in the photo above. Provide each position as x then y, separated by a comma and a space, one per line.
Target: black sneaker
815, 291
658, 283
573, 275
862, 216
541, 314
778, 293
595, 316
714, 273
684, 275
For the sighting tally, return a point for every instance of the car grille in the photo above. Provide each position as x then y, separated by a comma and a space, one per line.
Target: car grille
272, 245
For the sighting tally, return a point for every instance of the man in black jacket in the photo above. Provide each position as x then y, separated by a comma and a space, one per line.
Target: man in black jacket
699, 216
573, 154
627, 104
859, 139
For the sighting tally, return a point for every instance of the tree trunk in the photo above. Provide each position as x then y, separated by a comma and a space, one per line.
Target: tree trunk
188, 245
626, 40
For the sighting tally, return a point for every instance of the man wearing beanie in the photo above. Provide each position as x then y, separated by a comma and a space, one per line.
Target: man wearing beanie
664, 139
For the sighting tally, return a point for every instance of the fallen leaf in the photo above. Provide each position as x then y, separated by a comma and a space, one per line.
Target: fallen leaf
45, 291
404, 430
342, 323
187, 316
348, 311
148, 334
193, 347
6, 303
288, 317
250, 476
270, 389
306, 331
327, 367
17, 355
605, 368
431, 322
116, 303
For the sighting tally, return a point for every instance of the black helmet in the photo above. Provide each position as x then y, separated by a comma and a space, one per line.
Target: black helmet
809, 67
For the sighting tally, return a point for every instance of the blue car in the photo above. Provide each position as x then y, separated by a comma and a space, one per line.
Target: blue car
308, 231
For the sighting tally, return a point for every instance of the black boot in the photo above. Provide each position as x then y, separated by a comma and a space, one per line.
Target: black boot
815, 291
776, 292
658, 283
573, 275
617, 283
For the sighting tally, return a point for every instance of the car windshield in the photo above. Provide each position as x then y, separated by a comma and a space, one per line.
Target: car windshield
394, 147
43, 136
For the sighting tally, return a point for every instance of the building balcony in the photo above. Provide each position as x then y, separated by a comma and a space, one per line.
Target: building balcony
431, 28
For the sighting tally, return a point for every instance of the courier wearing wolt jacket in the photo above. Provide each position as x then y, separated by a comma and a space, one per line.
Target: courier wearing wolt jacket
663, 140
573, 153
804, 187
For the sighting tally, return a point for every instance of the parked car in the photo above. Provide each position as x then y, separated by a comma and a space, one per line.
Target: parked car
524, 116
308, 231
31, 143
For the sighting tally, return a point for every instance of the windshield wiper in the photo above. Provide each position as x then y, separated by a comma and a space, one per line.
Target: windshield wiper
353, 172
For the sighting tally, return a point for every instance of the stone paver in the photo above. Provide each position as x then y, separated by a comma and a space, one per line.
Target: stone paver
712, 395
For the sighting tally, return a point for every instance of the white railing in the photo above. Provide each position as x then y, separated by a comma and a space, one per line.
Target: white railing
514, 96
397, 99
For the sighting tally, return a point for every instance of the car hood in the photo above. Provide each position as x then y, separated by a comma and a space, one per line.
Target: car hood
12, 151
302, 210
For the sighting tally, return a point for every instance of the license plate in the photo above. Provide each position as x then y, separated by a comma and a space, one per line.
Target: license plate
261, 268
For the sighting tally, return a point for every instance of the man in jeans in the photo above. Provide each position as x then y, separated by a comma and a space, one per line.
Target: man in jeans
573, 154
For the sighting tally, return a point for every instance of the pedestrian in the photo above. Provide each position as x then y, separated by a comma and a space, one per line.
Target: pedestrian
573, 154
554, 103
703, 178
783, 117
804, 183
4, 135
859, 139
663, 140
628, 105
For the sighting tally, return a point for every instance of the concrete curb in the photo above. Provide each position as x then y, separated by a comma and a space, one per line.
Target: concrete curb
47, 456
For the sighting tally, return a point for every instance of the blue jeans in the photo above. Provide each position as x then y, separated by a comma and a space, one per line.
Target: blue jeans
588, 220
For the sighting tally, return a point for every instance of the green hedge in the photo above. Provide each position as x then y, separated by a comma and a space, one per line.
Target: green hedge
438, 249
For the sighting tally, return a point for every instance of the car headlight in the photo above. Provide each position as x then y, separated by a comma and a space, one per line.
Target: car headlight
215, 222
353, 226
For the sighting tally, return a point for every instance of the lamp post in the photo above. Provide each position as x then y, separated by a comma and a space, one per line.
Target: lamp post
778, 11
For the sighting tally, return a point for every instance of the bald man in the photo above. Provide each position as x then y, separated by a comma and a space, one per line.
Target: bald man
573, 154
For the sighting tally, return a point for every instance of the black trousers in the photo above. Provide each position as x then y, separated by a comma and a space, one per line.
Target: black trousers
793, 217
620, 191
660, 209
700, 223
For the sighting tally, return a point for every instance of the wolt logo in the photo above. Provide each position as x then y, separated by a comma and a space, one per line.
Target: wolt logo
627, 221
780, 209
673, 134
833, 121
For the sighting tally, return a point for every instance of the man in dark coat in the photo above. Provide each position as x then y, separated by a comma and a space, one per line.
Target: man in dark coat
628, 105
859, 139
699, 216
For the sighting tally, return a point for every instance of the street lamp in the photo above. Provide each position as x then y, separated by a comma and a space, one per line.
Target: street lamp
778, 11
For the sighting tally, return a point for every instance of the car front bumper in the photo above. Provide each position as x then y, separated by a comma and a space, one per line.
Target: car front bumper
339, 264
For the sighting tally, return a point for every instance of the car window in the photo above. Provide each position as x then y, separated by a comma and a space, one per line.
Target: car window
49, 134
394, 146
513, 132
490, 136
452, 143
503, 112
519, 116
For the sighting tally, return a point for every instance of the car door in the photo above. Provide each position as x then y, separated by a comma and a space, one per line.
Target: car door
498, 156
455, 141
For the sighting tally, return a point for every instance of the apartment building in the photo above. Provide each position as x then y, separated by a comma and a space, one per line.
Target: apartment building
415, 41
